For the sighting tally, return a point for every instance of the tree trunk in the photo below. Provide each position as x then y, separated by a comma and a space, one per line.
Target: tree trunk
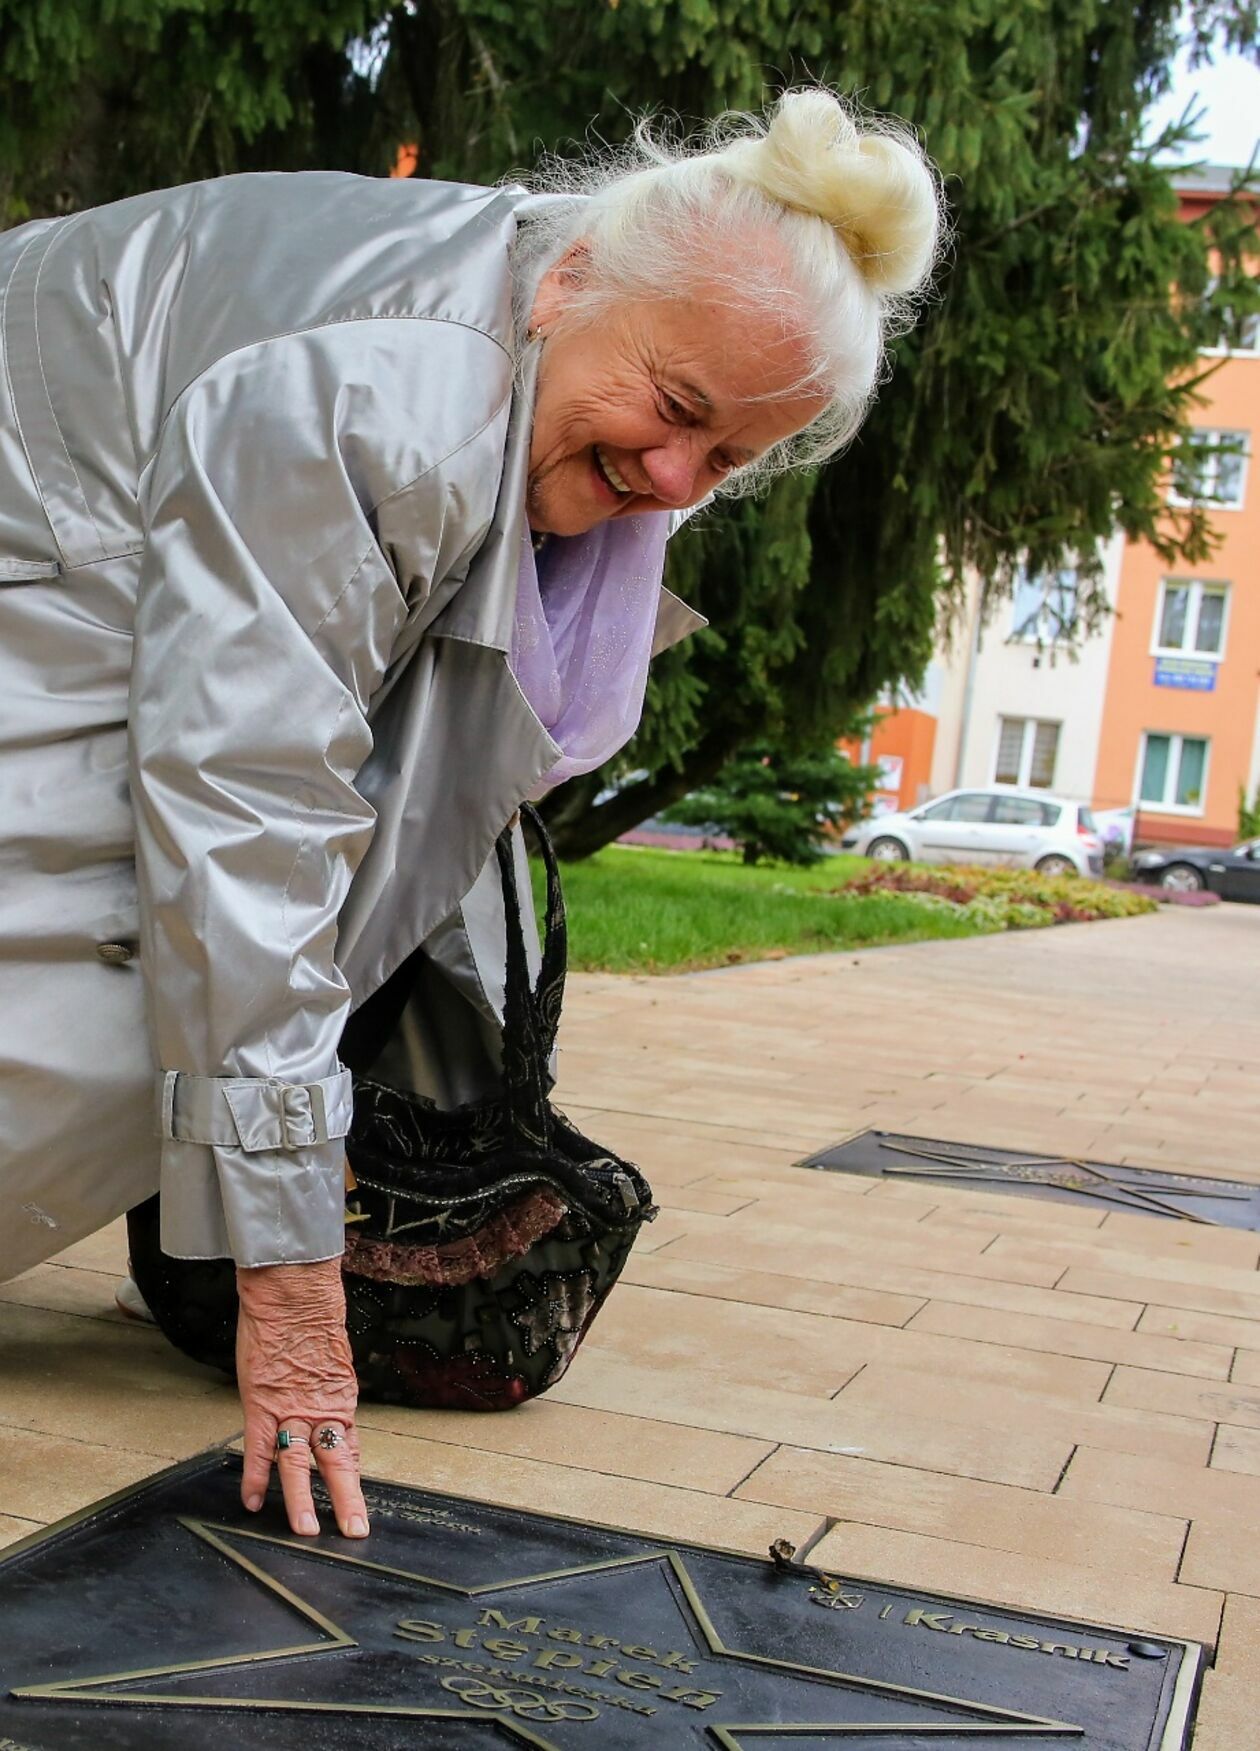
563, 807
431, 43
582, 831
340, 116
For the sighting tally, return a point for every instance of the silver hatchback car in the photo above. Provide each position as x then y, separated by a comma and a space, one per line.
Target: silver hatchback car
1024, 828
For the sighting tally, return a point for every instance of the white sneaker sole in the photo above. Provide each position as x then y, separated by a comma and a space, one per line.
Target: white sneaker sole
129, 1301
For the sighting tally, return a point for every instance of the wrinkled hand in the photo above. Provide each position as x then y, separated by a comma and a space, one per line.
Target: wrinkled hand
295, 1371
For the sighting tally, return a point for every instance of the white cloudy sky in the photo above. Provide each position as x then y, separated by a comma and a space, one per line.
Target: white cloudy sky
1229, 93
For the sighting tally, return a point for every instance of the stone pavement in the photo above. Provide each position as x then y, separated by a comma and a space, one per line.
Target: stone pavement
1037, 1404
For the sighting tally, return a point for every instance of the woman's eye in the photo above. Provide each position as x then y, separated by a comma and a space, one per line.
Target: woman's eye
673, 408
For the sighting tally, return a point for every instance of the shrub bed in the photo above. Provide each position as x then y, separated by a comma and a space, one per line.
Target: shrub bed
1169, 896
1003, 899
647, 911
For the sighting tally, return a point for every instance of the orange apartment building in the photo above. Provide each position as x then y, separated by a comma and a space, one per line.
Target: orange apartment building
1159, 712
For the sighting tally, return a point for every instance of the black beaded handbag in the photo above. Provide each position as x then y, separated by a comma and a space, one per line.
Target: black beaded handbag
481, 1240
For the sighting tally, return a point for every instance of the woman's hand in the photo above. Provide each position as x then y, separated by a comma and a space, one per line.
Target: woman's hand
296, 1373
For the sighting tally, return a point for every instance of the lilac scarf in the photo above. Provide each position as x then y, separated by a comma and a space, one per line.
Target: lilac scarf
585, 618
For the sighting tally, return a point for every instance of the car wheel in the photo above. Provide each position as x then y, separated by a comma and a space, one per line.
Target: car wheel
1182, 878
888, 850
1056, 865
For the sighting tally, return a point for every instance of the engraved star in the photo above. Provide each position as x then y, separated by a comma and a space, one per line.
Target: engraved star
515, 1702
1066, 1173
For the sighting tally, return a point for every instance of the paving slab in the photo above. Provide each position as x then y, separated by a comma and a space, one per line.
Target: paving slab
1229, 1708
1161, 1485
1000, 1517
1236, 1450
1034, 1406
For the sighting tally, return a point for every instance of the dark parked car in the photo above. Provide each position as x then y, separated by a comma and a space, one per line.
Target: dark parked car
1234, 875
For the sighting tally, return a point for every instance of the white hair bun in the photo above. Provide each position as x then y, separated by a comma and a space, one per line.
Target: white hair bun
875, 187
817, 216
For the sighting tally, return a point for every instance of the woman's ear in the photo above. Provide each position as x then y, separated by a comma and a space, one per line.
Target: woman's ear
561, 283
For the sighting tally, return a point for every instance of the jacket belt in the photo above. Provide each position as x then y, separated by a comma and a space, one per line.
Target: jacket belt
251, 1114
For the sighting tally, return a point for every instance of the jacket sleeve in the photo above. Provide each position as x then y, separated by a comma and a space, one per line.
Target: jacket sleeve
307, 495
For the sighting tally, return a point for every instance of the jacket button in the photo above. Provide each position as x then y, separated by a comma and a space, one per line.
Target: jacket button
115, 954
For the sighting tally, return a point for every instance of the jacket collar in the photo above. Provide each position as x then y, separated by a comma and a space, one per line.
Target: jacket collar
674, 622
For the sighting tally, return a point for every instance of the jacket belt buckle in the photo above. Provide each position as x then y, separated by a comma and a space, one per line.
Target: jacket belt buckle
298, 1124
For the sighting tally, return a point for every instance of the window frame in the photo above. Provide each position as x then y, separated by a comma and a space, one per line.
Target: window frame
1027, 748
1045, 628
1224, 351
1177, 740
1198, 587
1212, 437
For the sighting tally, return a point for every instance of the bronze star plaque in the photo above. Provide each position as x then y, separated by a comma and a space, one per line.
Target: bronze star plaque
1181, 1197
169, 1617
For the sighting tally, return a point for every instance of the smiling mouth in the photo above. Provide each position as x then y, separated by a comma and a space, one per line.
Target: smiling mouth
609, 475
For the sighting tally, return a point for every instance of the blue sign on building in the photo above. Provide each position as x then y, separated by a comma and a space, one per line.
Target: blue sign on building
1192, 672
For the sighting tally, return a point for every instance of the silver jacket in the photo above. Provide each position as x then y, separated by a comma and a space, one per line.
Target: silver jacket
262, 465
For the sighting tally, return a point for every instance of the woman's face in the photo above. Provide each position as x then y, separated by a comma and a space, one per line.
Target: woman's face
648, 406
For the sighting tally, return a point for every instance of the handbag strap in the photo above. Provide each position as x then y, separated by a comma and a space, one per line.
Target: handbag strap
549, 991
531, 1013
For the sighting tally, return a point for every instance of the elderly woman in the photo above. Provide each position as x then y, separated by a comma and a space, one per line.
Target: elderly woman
332, 521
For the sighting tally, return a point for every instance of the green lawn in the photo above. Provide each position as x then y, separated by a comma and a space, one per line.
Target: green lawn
645, 911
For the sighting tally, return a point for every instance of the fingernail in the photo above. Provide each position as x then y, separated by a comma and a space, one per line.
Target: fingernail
358, 1527
308, 1524
253, 1503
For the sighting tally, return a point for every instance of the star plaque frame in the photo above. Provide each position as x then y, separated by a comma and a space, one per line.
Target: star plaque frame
1142, 1191
167, 1615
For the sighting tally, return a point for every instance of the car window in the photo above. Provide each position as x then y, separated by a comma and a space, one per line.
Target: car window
1088, 822
941, 811
1019, 811
1050, 813
973, 806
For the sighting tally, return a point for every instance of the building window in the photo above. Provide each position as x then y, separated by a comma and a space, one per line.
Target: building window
1026, 752
1238, 334
1191, 619
1044, 607
1209, 468
1174, 772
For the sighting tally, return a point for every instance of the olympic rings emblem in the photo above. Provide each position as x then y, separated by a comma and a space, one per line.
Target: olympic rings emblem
527, 1704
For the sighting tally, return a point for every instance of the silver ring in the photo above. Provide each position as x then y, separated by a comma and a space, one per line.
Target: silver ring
285, 1438
328, 1436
